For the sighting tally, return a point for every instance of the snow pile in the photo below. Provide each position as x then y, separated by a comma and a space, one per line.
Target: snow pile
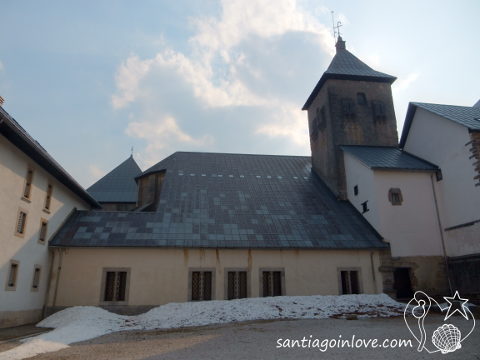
86, 322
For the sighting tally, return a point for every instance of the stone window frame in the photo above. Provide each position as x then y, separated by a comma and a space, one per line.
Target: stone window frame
28, 184
43, 223
47, 204
339, 278
392, 192
24, 223
16, 265
104, 284
225, 277
282, 279
37, 275
213, 270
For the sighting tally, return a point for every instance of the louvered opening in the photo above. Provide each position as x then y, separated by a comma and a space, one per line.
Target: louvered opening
28, 184
12, 276
36, 278
48, 197
21, 222
43, 231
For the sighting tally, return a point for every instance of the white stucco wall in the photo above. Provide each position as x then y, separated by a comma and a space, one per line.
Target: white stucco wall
27, 250
411, 228
443, 142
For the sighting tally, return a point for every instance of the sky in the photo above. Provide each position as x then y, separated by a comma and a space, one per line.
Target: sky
90, 80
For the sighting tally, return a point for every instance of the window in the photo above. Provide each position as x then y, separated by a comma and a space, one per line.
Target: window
395, 196
439, 175
42, 234
27, 189
11, 284
364, 207
348, 107
115, 286
355, 190
237, 283
21, 223
48, 197
350, 282
36, 277
272, 282
201, 285
361, 99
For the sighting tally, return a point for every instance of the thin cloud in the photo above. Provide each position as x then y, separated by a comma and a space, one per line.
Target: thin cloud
404, 83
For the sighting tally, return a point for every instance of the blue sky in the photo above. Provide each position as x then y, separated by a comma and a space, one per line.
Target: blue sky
91, 79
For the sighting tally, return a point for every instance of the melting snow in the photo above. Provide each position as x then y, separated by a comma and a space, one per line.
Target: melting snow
87, 322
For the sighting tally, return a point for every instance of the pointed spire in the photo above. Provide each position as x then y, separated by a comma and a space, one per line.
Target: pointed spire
340, 45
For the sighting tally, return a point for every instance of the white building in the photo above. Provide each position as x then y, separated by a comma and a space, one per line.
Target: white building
36, 196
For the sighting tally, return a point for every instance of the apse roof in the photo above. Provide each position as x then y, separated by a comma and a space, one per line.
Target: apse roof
230, 201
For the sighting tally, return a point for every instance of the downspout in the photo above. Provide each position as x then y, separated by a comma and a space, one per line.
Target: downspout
441, 235
49, 283
58, 279
373, 273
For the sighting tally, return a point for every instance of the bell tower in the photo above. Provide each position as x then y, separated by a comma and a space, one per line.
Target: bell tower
351, 104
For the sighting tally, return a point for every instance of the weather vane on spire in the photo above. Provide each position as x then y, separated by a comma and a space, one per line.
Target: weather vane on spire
132, 151
339, 24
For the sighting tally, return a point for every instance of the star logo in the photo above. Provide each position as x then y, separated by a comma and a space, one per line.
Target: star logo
455, 306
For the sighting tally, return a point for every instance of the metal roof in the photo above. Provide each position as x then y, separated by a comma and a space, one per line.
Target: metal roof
230, 201
388, 158
119, 185
346, 66
463, 115
17, 135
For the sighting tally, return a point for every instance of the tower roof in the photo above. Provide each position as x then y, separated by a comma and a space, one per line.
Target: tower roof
346, 66
118, 185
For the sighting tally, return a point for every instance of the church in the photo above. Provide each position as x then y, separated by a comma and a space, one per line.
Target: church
364, 214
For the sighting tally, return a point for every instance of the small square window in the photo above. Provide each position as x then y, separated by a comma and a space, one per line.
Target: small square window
365, 207
355, 190
395, 196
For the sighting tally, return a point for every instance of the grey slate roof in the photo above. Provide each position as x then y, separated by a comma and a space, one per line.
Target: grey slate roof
388, 158
230, 201
17, 135
118, 186
463, 115
346, 66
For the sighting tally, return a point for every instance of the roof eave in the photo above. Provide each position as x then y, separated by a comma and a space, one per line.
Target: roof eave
23, 143
327, 76
412, 108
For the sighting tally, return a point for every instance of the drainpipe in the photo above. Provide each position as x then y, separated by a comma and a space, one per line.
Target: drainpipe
58, 279
49, 283
373, 273
441, 235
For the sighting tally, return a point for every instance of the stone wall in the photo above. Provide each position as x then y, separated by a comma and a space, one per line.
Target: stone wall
465, 276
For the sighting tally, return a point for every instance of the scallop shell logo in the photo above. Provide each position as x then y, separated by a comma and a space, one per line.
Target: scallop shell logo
447, 338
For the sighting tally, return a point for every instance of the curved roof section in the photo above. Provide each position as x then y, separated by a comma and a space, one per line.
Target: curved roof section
463, 115
231, 201
346, 66
388, 158
17, 135
119, 185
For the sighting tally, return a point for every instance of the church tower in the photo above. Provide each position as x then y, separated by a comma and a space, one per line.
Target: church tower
351, 104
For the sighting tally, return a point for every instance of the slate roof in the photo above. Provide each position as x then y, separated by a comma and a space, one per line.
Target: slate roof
463, 115
346, 66
230, 201
388, 158
118, 186
17, 135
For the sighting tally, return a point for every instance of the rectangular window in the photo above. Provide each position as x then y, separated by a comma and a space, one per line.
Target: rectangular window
364, 207
42, 234
355, 190
272, 283
36, 277
21, 224
27, 189
48, 197
201, 285
350, 282
12, 275
237, 285
395, 196
115, 286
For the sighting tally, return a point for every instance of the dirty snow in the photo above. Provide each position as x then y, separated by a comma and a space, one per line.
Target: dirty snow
86, 322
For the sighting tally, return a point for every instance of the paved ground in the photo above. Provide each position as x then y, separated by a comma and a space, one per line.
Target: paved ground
258, 340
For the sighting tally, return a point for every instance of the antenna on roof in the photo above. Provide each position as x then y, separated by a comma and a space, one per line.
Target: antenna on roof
339, 24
